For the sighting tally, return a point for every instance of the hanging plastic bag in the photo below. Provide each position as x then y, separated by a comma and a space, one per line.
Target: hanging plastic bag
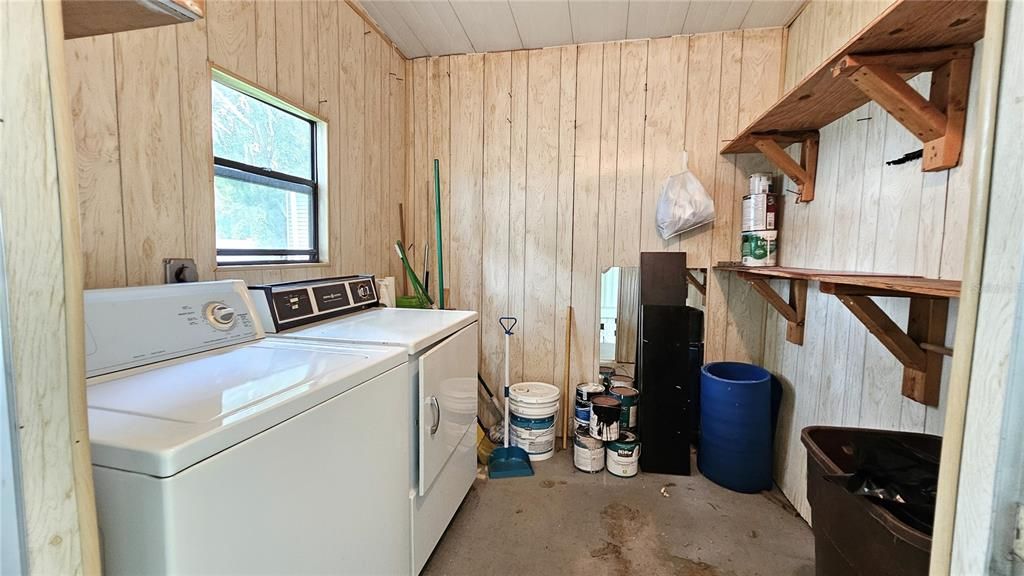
683, 205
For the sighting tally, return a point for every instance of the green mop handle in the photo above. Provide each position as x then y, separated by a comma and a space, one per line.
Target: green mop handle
440, 255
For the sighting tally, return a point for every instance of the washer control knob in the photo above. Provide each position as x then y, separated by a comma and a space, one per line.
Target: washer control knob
220, 315
364, 291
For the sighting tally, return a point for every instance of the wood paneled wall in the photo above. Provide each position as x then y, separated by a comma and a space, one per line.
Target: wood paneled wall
866, 216
552, 161
141, 108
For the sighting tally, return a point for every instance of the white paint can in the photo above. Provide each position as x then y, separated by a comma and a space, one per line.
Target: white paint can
760, 248
759, 211
587, 451
623, 456
761, 183
533, 406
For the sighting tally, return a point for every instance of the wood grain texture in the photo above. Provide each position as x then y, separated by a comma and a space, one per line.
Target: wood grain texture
153, 203
44, 340
564, 214
467, 169
541, 220
196, 148
94, 113
372, 137
157, 82
231, 25
629, 160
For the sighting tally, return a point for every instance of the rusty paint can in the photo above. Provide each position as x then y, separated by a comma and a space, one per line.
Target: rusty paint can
585, 392
605, 414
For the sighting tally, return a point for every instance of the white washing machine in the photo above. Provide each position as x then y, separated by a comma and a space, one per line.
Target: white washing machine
442, 348
218, 451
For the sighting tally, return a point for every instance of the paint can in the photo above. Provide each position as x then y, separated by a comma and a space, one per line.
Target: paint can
623, 456
759, 248
533, 406
585, 392
761, 183
628, 397
587, 451
605, 413
621, 380
606, 373
759, 211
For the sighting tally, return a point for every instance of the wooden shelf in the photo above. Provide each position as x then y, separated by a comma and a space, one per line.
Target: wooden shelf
919, 348
908, 38
94, 17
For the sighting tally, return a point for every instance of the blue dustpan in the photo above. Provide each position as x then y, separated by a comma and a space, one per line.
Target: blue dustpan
509, 462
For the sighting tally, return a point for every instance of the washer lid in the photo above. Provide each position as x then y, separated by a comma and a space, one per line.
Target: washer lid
411, 328
162, 419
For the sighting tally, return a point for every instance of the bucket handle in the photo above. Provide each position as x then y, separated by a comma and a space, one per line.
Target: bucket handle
508, 329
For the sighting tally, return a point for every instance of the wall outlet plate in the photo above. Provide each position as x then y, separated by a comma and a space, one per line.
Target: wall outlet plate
178, 270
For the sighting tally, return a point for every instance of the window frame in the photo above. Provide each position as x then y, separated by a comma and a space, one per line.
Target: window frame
315, 187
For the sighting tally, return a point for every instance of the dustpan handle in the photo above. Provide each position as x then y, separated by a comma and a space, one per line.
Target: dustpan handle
508, 329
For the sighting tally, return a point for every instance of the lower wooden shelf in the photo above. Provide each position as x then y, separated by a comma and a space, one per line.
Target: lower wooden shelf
919, 348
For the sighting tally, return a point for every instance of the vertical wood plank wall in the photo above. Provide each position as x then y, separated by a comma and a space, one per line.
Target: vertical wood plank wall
141, 108
870, 217
552, 161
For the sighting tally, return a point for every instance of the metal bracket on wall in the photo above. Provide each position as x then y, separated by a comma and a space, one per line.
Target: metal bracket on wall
937, 121
920, 348
802, 174
794, 310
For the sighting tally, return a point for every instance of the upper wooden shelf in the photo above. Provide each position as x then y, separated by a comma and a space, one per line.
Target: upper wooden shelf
823, 96
94, 17
866, 283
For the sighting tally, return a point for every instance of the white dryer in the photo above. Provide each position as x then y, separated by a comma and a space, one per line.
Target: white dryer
218, 451
442, 348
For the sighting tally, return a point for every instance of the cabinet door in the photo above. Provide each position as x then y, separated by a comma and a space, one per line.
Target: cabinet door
447, 401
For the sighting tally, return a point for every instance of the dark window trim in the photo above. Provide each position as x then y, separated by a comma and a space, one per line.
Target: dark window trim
266, 177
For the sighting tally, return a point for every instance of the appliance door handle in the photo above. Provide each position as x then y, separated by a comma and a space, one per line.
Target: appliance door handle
436, 409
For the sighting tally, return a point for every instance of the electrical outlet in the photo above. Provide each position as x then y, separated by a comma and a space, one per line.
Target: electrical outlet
178, 270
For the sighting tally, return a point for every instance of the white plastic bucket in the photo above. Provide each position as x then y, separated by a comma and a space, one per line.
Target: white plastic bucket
532, 424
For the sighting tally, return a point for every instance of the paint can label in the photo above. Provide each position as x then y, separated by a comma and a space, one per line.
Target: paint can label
759, 212
583, 412
759, 248
623, 456
535, 435
629, 397
588, 453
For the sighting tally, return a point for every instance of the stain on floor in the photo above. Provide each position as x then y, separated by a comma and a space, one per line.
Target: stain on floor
600, 525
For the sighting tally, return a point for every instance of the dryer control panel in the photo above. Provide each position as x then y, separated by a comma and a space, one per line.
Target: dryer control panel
290, 304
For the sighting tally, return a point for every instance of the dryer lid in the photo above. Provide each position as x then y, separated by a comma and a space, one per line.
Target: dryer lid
413, 329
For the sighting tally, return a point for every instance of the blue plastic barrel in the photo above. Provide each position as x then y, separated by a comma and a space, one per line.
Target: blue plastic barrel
736, 433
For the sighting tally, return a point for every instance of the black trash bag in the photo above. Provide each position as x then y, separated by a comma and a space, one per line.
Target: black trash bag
897, 476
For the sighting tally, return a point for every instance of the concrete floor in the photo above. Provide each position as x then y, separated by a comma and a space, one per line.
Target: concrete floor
563, 521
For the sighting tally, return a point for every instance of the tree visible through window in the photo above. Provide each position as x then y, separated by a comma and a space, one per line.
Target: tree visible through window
265, 181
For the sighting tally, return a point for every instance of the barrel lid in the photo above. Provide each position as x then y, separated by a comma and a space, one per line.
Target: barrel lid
533, 392
590, 387
621, 378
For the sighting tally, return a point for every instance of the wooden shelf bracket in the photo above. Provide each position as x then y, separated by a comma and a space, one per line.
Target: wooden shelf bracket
794, 310
937, 121
804, 172
920, 348
696, 283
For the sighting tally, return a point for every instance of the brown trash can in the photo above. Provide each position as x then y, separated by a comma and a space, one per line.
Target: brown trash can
854, 536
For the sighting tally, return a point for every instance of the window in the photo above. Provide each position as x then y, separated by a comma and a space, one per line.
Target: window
265, 177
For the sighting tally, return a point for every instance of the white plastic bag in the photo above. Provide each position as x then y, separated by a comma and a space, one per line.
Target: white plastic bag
683, 205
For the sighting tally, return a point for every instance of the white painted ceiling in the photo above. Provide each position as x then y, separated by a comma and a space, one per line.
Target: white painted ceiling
440, 27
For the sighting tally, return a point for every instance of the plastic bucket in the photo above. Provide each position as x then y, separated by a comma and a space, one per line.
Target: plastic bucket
736, 433
532, 423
